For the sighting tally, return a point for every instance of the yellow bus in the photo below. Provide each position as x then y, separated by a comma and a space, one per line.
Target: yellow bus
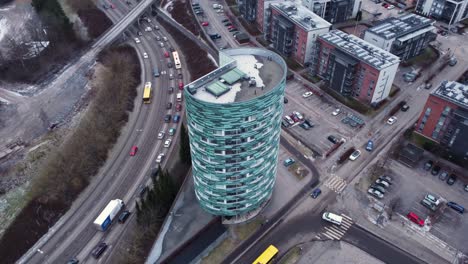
267, 256
177, 64
147, 93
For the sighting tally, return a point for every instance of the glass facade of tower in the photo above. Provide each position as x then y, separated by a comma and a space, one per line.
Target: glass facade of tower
234, 145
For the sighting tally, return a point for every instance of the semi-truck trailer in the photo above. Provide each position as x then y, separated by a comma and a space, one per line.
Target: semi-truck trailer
104, 220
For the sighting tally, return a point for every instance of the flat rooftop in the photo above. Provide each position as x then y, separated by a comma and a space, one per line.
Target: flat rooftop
454, 92
395, 27
301, 16
360, 49
245, 73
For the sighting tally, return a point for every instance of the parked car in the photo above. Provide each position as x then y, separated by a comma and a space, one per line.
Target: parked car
404, 107
377, 194
386, 178
205, 24
370, 145
428, 205
133, 150
332, 139
137, 41
285, 123
355, 155
178, 107
167, 118
415, 219
123, 216
98, 250
392, 120
466, 188
336, 112
443, 176
383, 183
169, 105
285, 100
456, 207
167, 143
435, 170
316, 193
142, 190
378, 187
451, 179
288, 162
298, 115
289, 120
73, 261
432, 199
305, 126
294, 117
169, 64
176, 119
428, 165
307, 94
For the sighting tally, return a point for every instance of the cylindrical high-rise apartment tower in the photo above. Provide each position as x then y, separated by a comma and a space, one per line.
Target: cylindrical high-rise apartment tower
234, 121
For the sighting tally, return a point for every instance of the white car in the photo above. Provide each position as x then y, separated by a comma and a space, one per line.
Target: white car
391, 120
375, 193
336, 112
332, 218
307, 94
355, 155
148, 29
167, 143
390, 7
289, 120
137, 40
161, 135
298, 115
160, 158
145, 55
171, 76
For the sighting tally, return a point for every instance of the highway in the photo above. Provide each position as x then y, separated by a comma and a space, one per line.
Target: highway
74, 235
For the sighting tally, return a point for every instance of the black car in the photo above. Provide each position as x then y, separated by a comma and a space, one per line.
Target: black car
123, 216
305, 126
435, 170
170, 90
332, 139
215, 36
99, 249
180, 76
228, 24
171, 49
285, 100
142, 190
285, 123
428, 165
451, 179
167, 118
169, 105
169, 64
225, 20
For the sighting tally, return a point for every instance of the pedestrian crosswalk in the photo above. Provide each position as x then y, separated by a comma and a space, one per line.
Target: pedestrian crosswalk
336, 232
336, 184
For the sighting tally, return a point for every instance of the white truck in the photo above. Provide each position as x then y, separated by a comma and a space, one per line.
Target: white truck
104, 220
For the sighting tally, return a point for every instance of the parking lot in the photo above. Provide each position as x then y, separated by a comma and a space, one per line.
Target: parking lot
374, 8
318, 110
411, 185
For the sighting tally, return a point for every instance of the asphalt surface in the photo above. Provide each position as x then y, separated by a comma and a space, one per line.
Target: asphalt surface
74, 234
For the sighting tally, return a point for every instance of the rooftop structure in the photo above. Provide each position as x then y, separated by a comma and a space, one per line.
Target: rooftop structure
241, 78
454, 92
301, 16
395, 27
360, 49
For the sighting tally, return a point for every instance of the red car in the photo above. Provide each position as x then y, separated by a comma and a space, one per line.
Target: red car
231, 27
181, 85
166, 54
293, 117
205, 23
415, 219
178, 107
133, 151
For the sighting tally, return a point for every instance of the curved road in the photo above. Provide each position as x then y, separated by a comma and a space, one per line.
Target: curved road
74, 234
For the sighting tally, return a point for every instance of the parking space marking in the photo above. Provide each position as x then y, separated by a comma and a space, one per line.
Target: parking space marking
336, 232
336, 184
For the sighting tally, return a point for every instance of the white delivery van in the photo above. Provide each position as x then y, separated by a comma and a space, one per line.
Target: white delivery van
332, 218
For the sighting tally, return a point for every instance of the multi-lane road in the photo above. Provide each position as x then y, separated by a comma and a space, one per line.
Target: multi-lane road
74, 235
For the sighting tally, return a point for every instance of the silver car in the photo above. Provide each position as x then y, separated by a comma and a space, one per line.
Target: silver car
375, 193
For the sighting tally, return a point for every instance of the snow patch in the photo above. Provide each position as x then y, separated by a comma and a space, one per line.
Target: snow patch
249, 65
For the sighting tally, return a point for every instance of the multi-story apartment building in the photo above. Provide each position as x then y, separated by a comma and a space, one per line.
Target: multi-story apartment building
334, 11
353, 67
406, 36
448, 11
248, 9
234, 117
444, 118
293, 30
